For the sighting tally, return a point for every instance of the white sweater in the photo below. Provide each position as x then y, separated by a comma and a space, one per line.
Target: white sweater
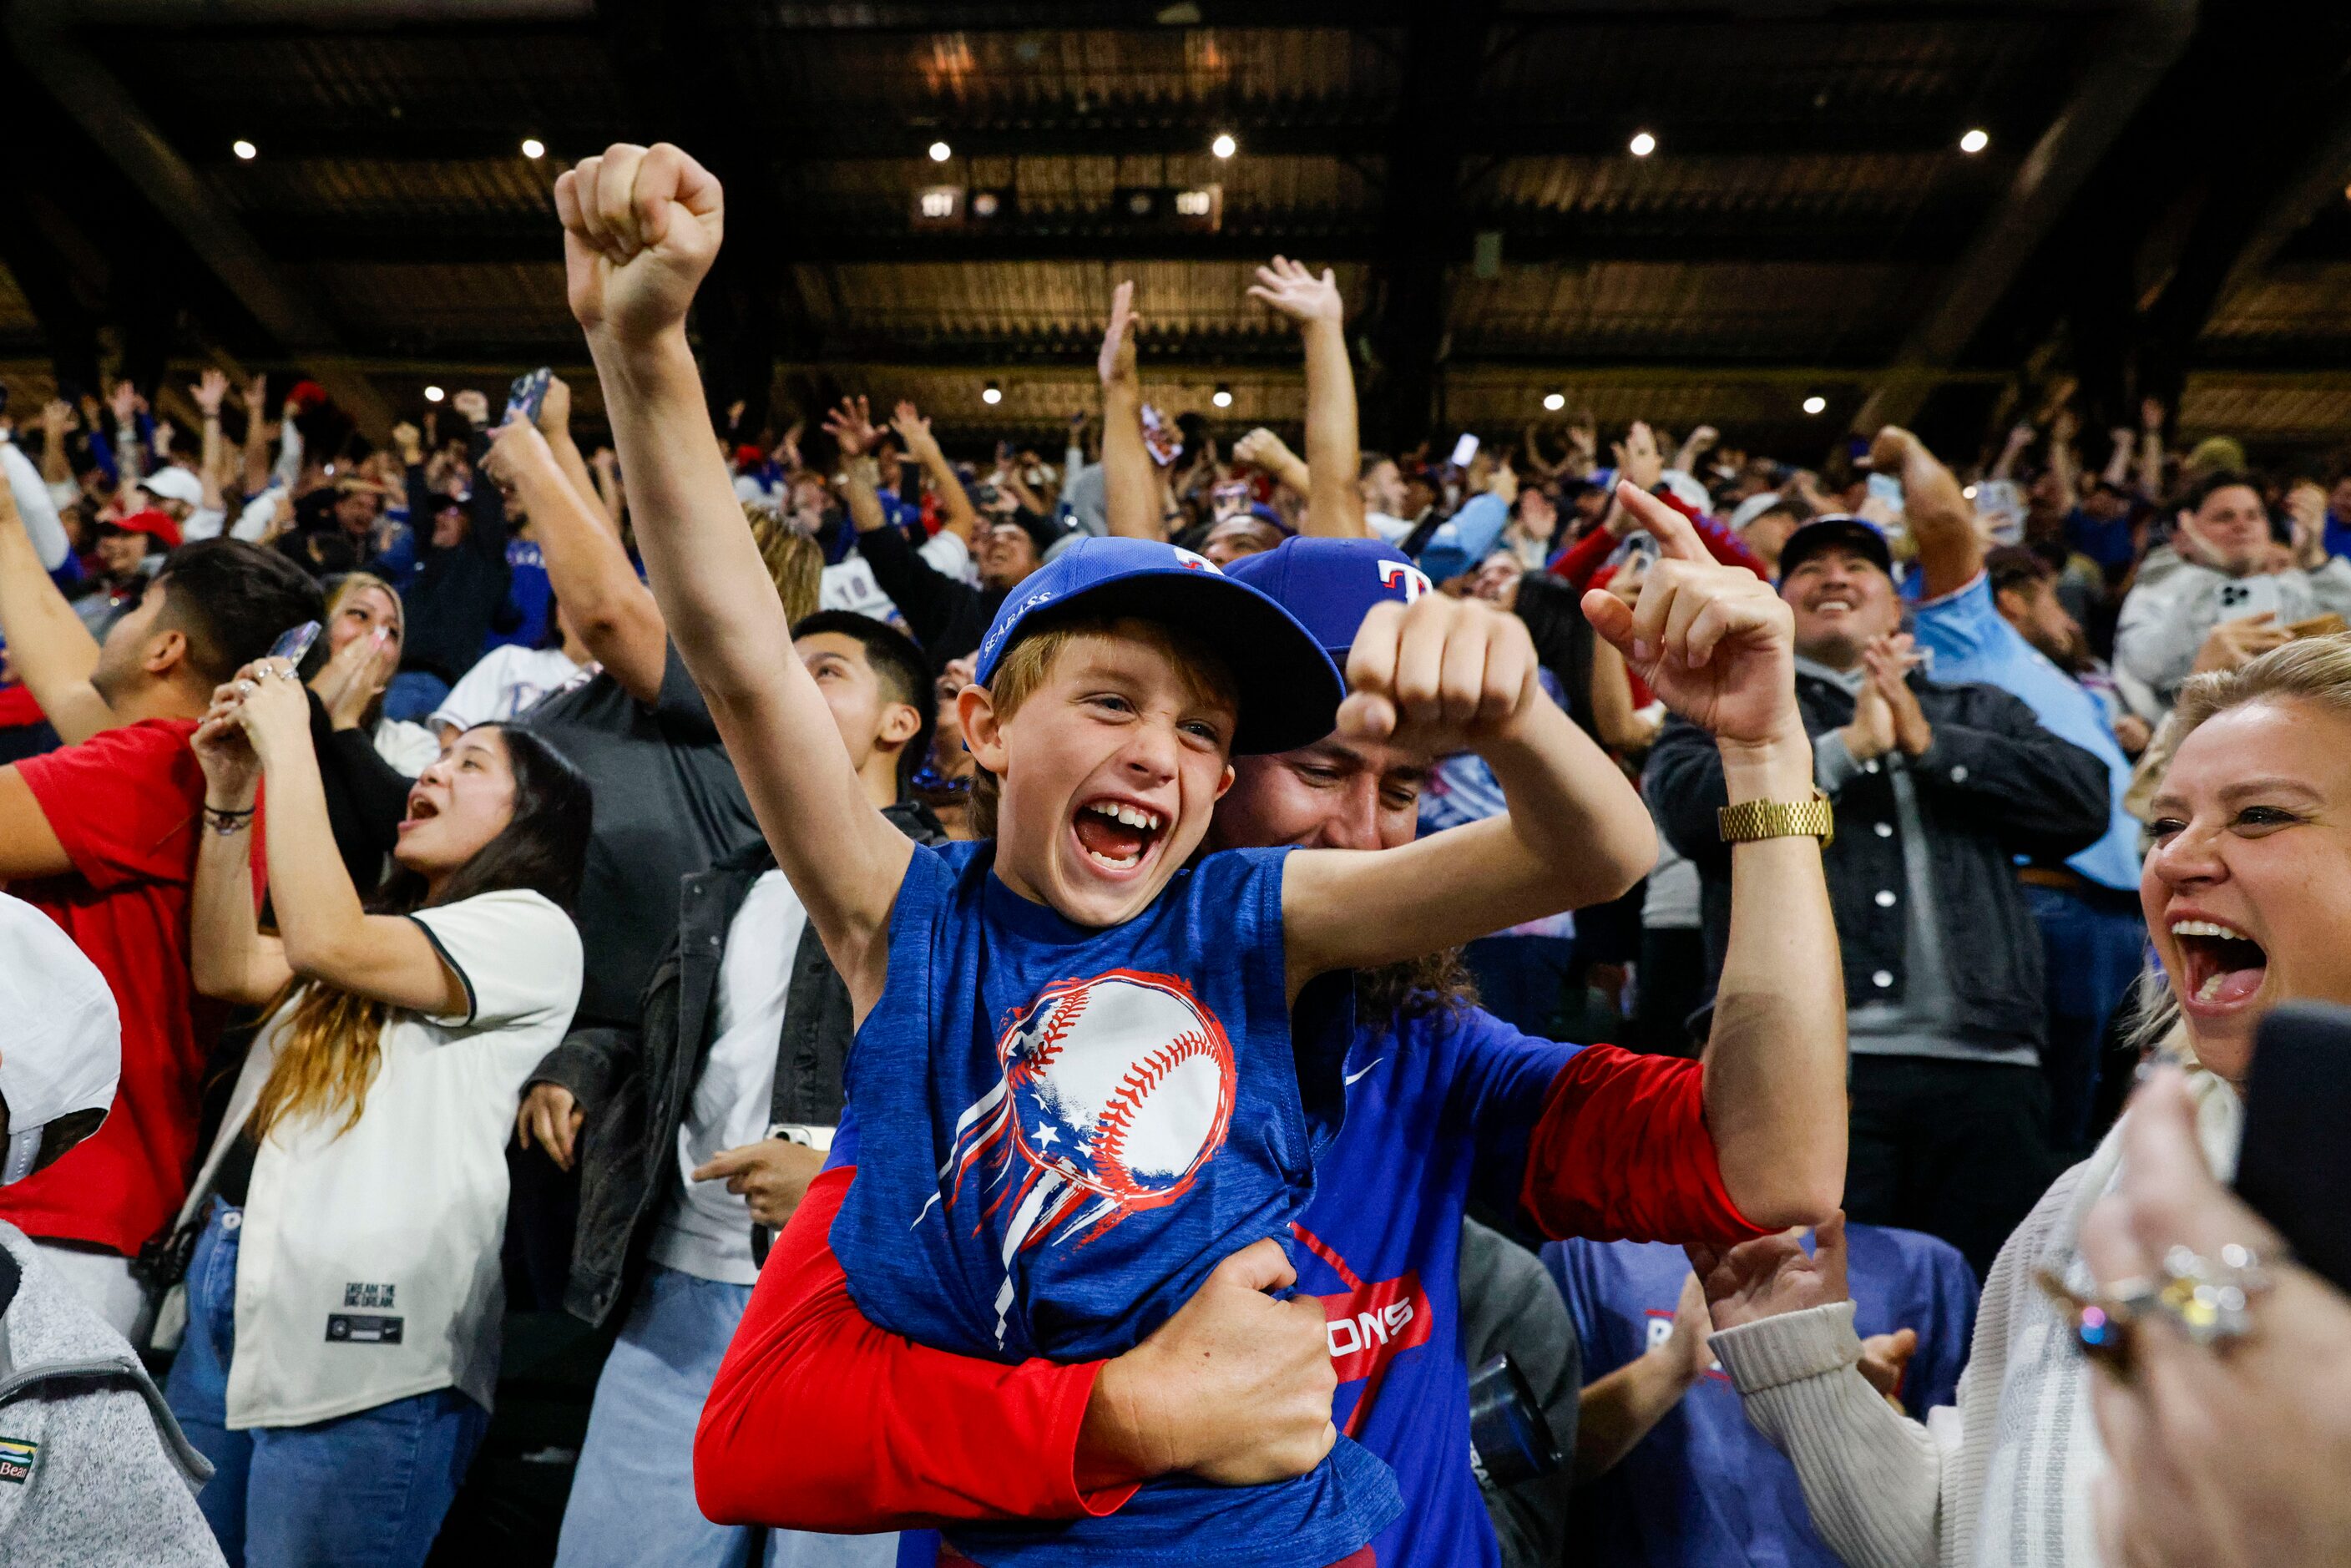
2001, 1481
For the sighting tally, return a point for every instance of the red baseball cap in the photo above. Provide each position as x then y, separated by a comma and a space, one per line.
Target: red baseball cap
152, 521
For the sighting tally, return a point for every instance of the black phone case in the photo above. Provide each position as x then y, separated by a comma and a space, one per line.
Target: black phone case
2296, 1167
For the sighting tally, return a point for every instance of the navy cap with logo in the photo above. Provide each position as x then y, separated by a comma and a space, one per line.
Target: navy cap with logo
1291, 689
1839, 532
1329, 585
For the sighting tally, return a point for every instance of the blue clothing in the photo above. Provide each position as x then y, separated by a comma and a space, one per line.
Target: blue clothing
1705, 1489
632, 1495
2109, 543
530, 597
366, 1487
1439, 1112
1463, 541
1971, 643
2093, 946
1071, 1127
2338, 535
414, 694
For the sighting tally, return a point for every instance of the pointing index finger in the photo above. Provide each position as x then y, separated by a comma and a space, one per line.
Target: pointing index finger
1677, 540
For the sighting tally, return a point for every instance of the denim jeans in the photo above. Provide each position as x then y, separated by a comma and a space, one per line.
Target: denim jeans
2093, 946
413, 694
365, 1490
632, 1495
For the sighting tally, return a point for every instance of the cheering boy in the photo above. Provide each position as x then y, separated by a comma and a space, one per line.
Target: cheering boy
1087, 1068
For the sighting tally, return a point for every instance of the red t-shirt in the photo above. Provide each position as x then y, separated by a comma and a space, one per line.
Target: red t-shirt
127, 805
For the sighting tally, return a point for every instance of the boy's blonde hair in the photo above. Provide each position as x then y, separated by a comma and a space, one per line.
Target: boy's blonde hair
1028, 664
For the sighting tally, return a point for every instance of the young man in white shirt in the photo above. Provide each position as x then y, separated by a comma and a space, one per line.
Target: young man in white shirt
697, 1132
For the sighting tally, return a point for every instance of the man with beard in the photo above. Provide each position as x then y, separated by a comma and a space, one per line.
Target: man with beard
1995, 618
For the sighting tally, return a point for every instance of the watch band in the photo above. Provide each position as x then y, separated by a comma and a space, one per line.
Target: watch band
1752, 820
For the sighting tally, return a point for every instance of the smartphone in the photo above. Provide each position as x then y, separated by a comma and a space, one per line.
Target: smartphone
1161, 436
527, 392
1886, 489
294, 644
2295, 1168
1463, 450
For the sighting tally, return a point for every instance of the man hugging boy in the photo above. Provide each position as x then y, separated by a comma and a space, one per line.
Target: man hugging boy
1089, 1065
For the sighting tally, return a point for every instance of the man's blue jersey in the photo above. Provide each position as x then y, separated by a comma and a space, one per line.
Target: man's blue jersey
1705, 1489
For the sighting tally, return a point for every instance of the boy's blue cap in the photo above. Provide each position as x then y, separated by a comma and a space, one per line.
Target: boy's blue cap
1292, 691
1331, 584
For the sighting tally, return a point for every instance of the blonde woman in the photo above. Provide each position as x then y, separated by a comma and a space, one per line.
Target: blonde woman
2246, 894
343, 1295
365, 629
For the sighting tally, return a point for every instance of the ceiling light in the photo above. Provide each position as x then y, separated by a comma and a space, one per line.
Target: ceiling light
434, 394
1975, 141
1554, 402
245, 149
533, 148
1641, 144
1224, 146
941, 152
1816, 403
1222, 397
991, 394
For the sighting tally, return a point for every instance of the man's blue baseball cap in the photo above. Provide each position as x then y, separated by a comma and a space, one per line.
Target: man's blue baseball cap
1291, 689
1331, 585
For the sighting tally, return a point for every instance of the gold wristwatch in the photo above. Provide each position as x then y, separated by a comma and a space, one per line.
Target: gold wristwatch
1751, 820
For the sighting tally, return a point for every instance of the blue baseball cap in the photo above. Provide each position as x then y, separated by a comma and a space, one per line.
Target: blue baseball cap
1292, 691
1836, 531
1331, 584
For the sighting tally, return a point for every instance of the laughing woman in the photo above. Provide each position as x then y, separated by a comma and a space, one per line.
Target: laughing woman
343, 1297
2248, 896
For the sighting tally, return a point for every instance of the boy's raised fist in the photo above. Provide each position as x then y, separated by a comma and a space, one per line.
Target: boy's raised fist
640, 227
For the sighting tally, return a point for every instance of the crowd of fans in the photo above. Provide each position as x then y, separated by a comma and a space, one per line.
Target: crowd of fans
520, 932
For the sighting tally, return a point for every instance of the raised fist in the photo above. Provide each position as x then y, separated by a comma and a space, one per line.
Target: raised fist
1439, 674
640, 227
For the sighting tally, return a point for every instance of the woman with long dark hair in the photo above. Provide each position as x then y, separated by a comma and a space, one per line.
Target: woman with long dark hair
343, 1295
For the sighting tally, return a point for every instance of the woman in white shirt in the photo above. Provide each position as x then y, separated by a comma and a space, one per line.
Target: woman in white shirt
343, 1296
2247, 895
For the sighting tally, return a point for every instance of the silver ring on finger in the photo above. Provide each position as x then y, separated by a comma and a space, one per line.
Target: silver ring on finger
246, 688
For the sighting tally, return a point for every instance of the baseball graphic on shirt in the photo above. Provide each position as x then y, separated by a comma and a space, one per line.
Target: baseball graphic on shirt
1115, 1091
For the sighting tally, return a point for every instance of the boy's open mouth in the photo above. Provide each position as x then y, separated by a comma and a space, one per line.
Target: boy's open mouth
1117, 834
2220, 966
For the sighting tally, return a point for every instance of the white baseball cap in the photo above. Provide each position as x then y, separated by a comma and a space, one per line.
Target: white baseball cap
63, 1049
1753, 508
175, 483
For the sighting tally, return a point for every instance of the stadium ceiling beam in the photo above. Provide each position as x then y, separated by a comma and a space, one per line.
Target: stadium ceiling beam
440, 241
2141, 46
103, 108
2242, 233
1421, 225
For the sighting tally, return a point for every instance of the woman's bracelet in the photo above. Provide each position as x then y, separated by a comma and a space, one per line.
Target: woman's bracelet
228, 823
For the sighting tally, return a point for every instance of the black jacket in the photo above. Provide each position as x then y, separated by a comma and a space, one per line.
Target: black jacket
635, 1085
1994, 785
457, 594
948, 617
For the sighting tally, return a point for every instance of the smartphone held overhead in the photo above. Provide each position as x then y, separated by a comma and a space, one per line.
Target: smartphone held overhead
528, 392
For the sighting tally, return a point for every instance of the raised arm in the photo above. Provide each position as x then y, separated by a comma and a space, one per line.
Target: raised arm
56, 463
860, 483
52, 652
327, 935
256, 437
1950, 551
915, 435
586, 567
1441, 675
1131, 501
2150, 449
641, 228
1263, 449
1334, 505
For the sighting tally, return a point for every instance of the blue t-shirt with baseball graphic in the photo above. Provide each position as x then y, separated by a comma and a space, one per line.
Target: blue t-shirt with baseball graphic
1059, 1131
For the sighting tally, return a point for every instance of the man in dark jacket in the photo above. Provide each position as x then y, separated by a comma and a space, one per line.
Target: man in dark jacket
460, 586
1938, 789
699, 1130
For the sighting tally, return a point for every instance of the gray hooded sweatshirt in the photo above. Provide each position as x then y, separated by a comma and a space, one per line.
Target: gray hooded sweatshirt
93, 1469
